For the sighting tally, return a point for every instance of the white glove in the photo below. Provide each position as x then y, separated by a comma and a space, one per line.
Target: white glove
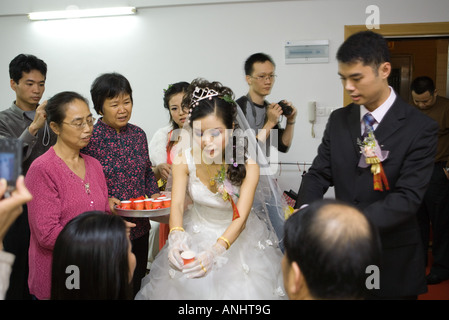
178, 241
204, 262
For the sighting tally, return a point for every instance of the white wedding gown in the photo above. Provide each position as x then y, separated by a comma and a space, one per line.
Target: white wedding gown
250, 269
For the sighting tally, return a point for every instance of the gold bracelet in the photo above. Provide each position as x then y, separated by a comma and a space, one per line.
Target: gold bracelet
227, 242
176, 228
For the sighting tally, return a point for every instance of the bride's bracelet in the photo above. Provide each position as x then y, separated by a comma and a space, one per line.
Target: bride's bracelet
228, 244
176, 228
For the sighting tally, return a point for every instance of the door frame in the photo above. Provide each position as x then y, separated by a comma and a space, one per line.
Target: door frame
405, 62
427, 29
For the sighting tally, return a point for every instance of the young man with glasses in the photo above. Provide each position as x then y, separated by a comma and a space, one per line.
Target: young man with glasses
262, 116
25, 120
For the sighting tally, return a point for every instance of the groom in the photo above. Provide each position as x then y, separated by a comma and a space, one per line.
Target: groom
410, 139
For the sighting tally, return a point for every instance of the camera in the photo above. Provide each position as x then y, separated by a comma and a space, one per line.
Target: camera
286, 109
10, 160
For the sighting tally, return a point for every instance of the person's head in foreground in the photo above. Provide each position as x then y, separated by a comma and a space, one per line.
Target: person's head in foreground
92, 259
328, 246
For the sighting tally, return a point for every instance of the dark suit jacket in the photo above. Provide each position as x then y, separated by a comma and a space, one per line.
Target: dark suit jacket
411, 139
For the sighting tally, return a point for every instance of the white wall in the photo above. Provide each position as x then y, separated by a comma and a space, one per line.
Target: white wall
166, 44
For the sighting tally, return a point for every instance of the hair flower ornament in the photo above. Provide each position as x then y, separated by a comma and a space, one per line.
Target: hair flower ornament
169, 86
373, 155
225, 187
228, 99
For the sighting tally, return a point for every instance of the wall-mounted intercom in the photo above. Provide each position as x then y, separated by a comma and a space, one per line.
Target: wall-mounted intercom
312, 115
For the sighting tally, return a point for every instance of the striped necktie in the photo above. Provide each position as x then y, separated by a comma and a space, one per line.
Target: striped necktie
369, 122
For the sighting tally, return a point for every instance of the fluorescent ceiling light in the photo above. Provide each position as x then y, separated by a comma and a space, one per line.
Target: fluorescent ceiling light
84, 13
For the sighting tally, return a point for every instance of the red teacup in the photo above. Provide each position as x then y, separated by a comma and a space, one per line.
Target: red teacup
148, 204
188, 256
139, 205
158, 204
126, 204
167, 202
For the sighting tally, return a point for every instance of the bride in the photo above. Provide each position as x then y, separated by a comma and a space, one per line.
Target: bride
237, 254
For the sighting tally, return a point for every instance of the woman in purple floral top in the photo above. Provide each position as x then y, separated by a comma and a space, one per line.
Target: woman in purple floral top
122, 149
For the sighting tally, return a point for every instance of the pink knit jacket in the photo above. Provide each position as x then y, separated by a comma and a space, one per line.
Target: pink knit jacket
58, 196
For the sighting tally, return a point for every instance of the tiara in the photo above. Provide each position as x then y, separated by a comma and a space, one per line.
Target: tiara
201, 94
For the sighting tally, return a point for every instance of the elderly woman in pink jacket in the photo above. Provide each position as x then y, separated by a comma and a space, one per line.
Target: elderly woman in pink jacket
64, 183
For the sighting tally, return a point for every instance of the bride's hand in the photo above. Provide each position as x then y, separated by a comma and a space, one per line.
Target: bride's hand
204, 262
178, 241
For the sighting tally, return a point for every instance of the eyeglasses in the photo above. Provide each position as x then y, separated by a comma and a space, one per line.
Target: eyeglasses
81, 125
270, 77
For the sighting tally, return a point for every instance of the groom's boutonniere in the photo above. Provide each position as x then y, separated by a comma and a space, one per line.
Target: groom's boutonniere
373, 155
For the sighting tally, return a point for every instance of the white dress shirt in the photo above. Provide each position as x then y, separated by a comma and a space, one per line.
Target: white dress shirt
379, 113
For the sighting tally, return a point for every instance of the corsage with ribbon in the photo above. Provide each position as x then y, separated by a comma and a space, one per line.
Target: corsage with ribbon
373, 155
225, 187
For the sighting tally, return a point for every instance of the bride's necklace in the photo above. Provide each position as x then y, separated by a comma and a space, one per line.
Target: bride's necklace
211, 178
217, 179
